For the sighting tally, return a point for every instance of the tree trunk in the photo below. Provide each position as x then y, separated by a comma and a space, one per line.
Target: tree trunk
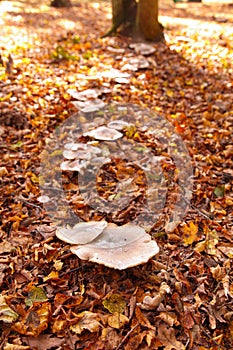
138, 19
148, 25
61, 3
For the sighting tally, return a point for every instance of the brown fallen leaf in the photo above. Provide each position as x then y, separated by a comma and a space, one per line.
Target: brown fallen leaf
168, 339
44, 342
35, 321
86, 320
150, 303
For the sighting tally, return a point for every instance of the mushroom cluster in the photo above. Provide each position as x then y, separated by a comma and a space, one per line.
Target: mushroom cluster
105, 243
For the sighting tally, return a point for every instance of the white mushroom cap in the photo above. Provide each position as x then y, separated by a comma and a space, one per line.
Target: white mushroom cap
119, 247
142, 48
81, 233
118, 124
104, 133
75, 165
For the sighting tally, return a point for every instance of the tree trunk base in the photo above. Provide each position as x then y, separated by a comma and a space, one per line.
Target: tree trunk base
139, 20
61, 3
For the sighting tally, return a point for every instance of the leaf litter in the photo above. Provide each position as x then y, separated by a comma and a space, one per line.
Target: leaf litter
189, 82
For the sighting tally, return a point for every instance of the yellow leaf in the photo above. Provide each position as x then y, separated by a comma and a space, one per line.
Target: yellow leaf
86, 320
200, 247
189, 232
35, 321
7, 315
35, 178
130, 131
208, 244
51, 276
117, 320
57, 152
59, 325
211, 242
58, 265
114, 303
7, 97
9, 346
26, 60
169, 93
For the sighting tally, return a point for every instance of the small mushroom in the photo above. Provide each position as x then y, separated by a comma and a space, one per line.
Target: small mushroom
75, 146
143, 49
119, 247
84, 95
89, 106
76, 154
75, 165
81, 233
104, 133
118, 124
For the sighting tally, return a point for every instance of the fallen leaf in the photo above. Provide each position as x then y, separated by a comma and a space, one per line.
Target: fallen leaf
114, 303
86, 320
44, 342
54, 275
219, 191
9, 346
168, 339
117, 320
209, 244
36, 294
35, 321
189, 232
169, 317
7, 315
150, 303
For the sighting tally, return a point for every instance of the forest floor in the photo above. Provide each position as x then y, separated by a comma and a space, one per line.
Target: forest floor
51, 299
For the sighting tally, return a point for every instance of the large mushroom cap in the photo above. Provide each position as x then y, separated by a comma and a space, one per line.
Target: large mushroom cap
119, 247
81, 233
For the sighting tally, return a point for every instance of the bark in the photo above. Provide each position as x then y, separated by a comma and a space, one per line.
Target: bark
138, 19
147, 20
61, 3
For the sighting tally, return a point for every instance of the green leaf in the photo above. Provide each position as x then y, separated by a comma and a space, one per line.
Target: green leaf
36, 294
219, 191
16, 145
114, 303
76, 39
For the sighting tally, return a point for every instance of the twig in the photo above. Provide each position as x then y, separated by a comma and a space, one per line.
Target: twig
214, 341
126, 336
32, 205
71, 270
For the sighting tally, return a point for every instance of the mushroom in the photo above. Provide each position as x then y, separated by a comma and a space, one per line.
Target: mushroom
119, 247
104, 133
142, 48
81, 233
118, 124
75, 165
